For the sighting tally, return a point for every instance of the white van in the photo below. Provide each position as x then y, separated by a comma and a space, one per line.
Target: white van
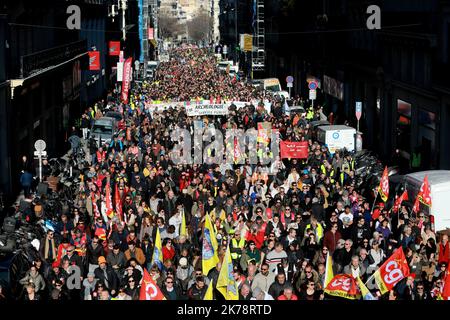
439, 213
337, 137
273, 85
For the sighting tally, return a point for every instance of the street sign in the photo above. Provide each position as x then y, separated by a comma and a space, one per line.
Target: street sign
225, 49
312, 85
358, 111
40, 145
289, 79
289, 85
40, 153
312, 94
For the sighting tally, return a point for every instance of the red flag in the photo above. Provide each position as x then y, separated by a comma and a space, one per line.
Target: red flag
446, 289
425, 193
114, 48
94, 205
392, 271
118, 203
149, 289
94, 60
399, 200
294, 150
109, 207
416, 206
383, 189
343, 285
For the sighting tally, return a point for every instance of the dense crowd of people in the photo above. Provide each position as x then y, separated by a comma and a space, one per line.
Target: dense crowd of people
280, 227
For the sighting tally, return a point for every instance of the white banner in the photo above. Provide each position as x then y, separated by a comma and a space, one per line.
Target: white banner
207, 110
119, 71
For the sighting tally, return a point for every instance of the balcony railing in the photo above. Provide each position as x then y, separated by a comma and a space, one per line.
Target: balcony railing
37, 61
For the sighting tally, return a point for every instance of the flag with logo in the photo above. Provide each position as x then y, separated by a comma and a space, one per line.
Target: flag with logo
328, 270
226, 284
209, 292
366, 294
383, 189
118, 203
109, 206
399, 200
157, 257
94, 60
392, 271
344, 286
114, 48
209, 247
425, 193
149, 289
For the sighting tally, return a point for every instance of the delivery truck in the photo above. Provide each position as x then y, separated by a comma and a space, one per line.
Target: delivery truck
439, 180
337, 137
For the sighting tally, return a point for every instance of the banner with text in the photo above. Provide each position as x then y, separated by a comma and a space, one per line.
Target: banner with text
294, 150
126, 79
207, 110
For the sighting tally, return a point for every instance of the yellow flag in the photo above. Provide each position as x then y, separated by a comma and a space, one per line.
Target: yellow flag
209, 292
226, 284
209, 248
366, 294
157, 252
183, 231
328, 270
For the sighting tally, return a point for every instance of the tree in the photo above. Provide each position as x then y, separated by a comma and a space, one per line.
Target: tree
169, 27
200, 27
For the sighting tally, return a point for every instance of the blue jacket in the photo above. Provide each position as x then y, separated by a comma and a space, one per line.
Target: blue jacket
26, 179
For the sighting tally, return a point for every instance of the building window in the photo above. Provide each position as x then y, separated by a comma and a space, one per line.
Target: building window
403, 126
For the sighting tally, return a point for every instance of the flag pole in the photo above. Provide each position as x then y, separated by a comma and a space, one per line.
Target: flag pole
375, 200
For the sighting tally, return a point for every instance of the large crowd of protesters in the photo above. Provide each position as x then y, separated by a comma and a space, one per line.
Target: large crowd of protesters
280, 227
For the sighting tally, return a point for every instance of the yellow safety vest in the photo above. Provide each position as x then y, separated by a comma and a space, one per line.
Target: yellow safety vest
318, 231
236, 245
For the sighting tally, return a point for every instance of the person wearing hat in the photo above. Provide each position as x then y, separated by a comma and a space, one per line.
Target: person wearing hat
237, 244
106, 275
89, 286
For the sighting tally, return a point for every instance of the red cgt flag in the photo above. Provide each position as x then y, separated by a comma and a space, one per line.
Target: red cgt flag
118, 203
425, 193
384, 185
399, 200
94, 60
392, 271
149, 289
343, 285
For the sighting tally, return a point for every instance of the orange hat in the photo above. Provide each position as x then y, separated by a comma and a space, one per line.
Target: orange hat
101, 259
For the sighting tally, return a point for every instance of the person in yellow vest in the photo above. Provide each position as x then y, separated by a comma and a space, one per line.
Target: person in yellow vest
236, 245
315, 226
310, 114
327, 170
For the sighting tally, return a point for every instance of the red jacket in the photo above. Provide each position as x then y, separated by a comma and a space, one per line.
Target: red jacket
444, 253
330, 240
168, 253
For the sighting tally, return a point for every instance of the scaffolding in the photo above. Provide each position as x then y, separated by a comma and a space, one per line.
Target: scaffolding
259, 52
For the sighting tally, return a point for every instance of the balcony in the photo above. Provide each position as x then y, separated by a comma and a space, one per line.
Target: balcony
38, 61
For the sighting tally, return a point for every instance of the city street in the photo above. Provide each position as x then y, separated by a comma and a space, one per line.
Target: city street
166, 152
